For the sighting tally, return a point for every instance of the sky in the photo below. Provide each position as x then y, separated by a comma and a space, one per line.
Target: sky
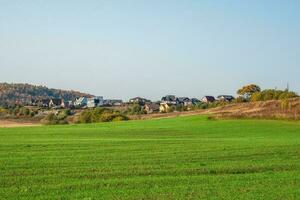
127, 48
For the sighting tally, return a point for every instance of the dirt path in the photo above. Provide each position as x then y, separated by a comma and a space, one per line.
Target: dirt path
10, 124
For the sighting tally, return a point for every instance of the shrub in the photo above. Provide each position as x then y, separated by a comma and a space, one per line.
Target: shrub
3, 111
171, 109
270, 94
239, 99
52, 119
100, 115
257, 96
23, 111
62, 115
287, 95
86, 117
136, 109
120, 117
202, 105
181, 108
285, 104
107, 117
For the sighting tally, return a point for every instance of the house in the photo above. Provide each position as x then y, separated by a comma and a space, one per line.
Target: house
34, 102
68, 104
165, 107
227, 98
183, 101
112, 102
139, 100
94, 102
208, 99
169, 99
195, 101
80, 102
43, 102
56, 103
151, 107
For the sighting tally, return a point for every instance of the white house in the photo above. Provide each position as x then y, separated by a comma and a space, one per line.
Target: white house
80, 102
95, 102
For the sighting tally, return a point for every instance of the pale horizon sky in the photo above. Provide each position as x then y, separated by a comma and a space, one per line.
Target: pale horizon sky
128, 48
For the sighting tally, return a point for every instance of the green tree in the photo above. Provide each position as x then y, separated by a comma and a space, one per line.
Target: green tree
248, 90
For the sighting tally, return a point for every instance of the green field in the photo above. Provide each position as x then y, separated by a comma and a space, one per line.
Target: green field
178, 158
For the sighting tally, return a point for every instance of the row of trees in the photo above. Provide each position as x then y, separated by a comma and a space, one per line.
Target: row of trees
18, 111
253, 92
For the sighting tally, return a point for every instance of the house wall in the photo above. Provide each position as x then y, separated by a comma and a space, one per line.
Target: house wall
164, 108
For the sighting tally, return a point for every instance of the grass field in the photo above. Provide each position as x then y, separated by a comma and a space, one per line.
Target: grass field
177, 158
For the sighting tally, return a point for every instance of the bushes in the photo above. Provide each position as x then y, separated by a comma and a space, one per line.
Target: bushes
56, 118
202, 105
181, 108
19, 111
87, 116
285, 104
100, 115
215, 104
266, 95
135, 109
239, 99
3, 111
53, 119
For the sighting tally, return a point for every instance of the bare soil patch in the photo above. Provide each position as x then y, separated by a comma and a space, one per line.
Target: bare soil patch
13, 123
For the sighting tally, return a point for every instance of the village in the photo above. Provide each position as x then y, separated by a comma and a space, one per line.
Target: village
164, 105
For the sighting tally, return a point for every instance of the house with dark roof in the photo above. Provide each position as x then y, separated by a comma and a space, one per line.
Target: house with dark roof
43, 102
139, 100
227, 98
112, 102
208, 99
151, 107
195, 101
56, 103
169, 99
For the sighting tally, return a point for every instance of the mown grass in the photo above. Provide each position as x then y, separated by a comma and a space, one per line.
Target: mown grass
178, 158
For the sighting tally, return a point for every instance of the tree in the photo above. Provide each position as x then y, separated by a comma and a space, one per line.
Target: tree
248, 90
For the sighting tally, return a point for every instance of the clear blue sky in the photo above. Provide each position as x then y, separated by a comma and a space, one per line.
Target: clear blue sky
127, 48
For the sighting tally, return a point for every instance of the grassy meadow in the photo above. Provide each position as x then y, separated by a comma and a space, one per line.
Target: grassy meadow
176, 158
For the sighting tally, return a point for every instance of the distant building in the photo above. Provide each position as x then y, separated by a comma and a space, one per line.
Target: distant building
227, 98
112, 102
195, 101
80, 102
165, 107
151, 107
169, 99
42, 102
56, 103
34, 102
183, 101
208, 99
139, 100
95, 102
69, 104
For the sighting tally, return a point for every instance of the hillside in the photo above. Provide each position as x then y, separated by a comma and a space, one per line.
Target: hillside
274, 109
288, 109
20, 93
